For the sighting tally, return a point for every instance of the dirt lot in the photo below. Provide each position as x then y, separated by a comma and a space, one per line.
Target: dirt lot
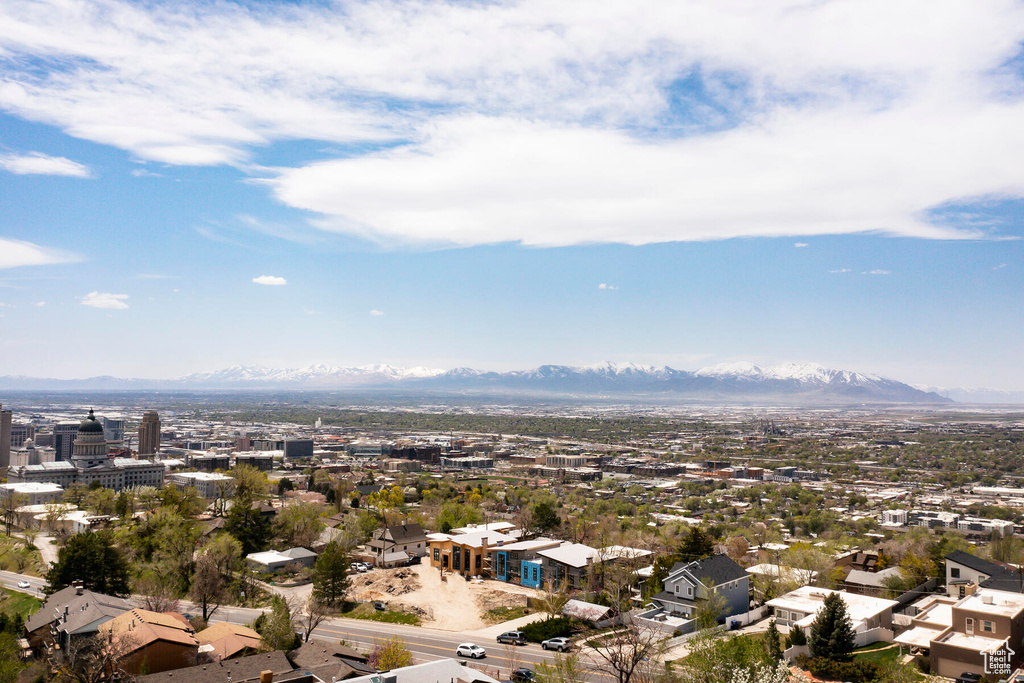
440, 604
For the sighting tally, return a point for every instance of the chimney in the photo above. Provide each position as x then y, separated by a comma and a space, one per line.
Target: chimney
266, 676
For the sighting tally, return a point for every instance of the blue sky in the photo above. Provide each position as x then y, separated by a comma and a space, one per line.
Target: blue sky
500, 185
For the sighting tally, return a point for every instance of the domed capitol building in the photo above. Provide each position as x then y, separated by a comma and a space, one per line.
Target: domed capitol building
90, 463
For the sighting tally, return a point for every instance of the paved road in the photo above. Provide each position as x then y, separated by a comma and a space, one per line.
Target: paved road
425, 644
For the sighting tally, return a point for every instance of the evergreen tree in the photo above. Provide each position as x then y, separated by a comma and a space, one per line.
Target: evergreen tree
773, 642
832, 631
248, 526
93, 559
330, 575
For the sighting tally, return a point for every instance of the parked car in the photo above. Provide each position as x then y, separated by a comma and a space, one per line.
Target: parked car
513, 637
560, 644
470, 650
968, 677
379, 606
523, 675
415, 559
24, 584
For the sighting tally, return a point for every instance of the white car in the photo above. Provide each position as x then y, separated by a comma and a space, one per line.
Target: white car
470, 650
24, 584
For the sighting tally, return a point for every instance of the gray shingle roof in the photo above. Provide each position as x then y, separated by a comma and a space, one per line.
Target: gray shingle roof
714, 570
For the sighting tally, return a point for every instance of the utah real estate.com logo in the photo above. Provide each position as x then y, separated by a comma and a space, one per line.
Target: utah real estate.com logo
997, 662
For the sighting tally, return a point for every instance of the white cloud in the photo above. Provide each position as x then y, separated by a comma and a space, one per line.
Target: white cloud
801, 245
840, 270
605, 285
877, 271
105, 300
39, 304
270, 280
14, 253
375, 312
555, 123
1000, 266
41, 164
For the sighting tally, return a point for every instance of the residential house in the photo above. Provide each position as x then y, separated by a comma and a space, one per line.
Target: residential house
151, 641
985, 625
871, 617
274, 561
241, 670
72, 612
395, 544
446, 670
226, 641
330, 661
870, 583
569, 563
468, 554
688, 584
518, 561
964, 571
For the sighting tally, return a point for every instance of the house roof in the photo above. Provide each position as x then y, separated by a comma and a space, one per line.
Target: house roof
145, 627
85, 610
239, 670
711, 571
571, 554
432, 672
299, 553
978, 564
328, 660
586, 611
860, 577
223, 640
402, 532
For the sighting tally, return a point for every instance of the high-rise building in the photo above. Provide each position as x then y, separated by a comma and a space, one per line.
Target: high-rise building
113, 428
20, 433
64, 435
5, 437
149, 433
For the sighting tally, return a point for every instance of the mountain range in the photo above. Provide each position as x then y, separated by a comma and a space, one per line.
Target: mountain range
790, 382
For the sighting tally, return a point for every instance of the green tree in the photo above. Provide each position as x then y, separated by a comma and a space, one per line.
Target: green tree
298, 524
773, 643
330, 575
543, 517
390, 654
92, 558
832, 631
249, 526
276, 627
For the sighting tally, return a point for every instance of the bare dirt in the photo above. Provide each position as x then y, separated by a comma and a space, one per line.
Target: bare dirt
452, 605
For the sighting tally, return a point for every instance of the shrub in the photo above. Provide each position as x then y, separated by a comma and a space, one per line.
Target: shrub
559, 627
797, 636
830, 670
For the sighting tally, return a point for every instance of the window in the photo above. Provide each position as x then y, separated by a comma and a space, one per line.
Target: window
677, 589
689, 591
437, 554
782, 615
954, 572
988, 626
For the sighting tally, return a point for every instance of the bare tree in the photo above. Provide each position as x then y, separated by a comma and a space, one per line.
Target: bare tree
312, 615
92, 659
9, 505
512, 657
207, 585
565, 668
157, 593
631, 654
554, 599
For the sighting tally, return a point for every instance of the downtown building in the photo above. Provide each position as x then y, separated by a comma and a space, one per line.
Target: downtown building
90, 462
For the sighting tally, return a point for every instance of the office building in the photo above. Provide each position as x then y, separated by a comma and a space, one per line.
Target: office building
149, 433
64, 435
298, 449
5, 437
113, 429
20, 433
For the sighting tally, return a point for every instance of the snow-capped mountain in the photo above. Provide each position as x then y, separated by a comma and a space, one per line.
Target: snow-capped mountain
789, 382
977, 395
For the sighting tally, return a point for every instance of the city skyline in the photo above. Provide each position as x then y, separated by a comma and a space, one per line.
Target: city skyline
500, 186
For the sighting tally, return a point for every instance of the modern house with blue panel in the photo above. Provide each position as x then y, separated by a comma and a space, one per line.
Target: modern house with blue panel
507, 559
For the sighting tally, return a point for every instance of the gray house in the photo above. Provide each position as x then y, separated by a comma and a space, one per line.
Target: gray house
689, 583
